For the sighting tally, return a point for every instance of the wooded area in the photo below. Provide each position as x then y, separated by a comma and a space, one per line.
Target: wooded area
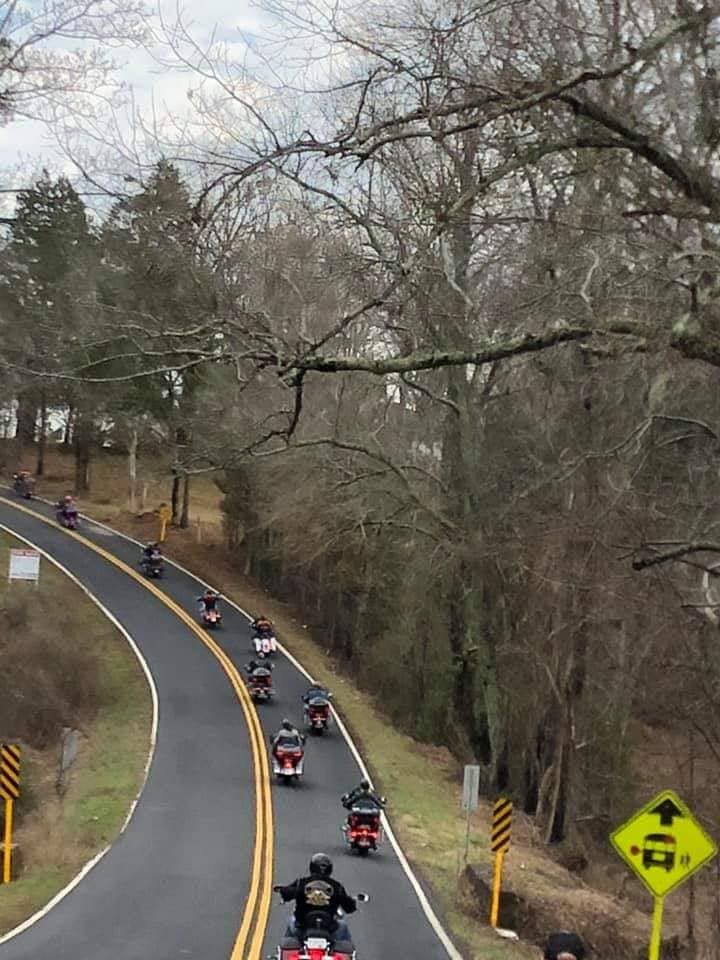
441, 314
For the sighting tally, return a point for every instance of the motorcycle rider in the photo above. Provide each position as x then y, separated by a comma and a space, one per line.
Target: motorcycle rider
318, 893
149, 551
67, 505
564, 946
288, 735
209, 600
262, 626
254, 665
363, 793
316, 690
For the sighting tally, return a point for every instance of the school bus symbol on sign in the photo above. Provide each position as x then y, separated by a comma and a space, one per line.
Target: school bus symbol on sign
663, 843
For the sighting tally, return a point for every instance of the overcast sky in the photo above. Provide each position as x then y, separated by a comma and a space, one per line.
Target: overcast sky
26, 146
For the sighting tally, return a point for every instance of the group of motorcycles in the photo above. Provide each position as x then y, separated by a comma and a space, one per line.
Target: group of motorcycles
362, 829
66, 512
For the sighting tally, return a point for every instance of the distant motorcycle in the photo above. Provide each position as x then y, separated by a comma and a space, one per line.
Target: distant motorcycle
24, 484
288, 758
265, 643
68, 518
363, 830
210, 618
152, 566
317, 715
260, 685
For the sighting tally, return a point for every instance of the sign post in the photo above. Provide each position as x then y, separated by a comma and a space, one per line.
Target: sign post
471, 791
499, 845
664, 845
24, 565
165, 514
9, 791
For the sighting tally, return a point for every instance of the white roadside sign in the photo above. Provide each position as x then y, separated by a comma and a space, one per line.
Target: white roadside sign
471, 787
24, 565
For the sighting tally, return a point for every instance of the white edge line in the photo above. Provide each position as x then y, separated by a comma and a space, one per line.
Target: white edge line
427, 909
61, 894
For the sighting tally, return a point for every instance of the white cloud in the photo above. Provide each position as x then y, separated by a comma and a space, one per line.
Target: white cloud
151, 89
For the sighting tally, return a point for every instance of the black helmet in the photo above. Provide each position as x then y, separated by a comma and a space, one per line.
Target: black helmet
286, 725
364, 784
559, 943
320, 865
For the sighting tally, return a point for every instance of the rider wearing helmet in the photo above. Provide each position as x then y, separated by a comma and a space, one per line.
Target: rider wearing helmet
66, 504
316, 690
262, 625
564, 946
262, 663
318, 893
287, 735
362, 794
209, 599
149, 549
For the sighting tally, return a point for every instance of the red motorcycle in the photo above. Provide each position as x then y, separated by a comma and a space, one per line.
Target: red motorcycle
363, 829
317, 942
288, 759
317, 715
260, 685
210, 618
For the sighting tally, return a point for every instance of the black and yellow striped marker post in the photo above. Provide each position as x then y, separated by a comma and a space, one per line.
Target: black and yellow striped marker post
499, 845
9, 791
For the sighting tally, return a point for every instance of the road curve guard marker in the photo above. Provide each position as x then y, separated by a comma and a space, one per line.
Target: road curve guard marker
9, 791
501, 825
499, 844
249, 941
9, 771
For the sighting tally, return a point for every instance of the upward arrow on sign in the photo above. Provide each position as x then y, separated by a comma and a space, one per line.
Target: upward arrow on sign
667, 811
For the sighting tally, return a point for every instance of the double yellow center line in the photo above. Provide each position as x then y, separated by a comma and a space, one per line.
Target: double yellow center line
249, 941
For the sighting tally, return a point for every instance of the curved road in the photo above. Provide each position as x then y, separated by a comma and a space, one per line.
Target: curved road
175, 884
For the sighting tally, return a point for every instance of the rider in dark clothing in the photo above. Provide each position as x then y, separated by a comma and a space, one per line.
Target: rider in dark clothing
209, 599
564, 946
318, 893
316, 690
254, 665
362, 794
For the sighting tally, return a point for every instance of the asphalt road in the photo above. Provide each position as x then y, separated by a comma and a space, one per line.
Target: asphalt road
174, 884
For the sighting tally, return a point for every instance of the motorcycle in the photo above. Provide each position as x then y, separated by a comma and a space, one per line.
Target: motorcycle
317, 715
265, 643
363, 830
68, 518
317, 941
152, 566
288, 761
260, 685
23, 484
210, 618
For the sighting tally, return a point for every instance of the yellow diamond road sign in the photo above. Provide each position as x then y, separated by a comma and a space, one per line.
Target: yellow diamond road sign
663, 843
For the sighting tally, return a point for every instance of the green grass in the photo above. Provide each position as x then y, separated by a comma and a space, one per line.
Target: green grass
58, 836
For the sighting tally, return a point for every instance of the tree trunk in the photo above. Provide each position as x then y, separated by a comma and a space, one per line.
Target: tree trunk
42, 438
175, 498
132, 468
26, 416
185, 515
69, 425
83, 453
